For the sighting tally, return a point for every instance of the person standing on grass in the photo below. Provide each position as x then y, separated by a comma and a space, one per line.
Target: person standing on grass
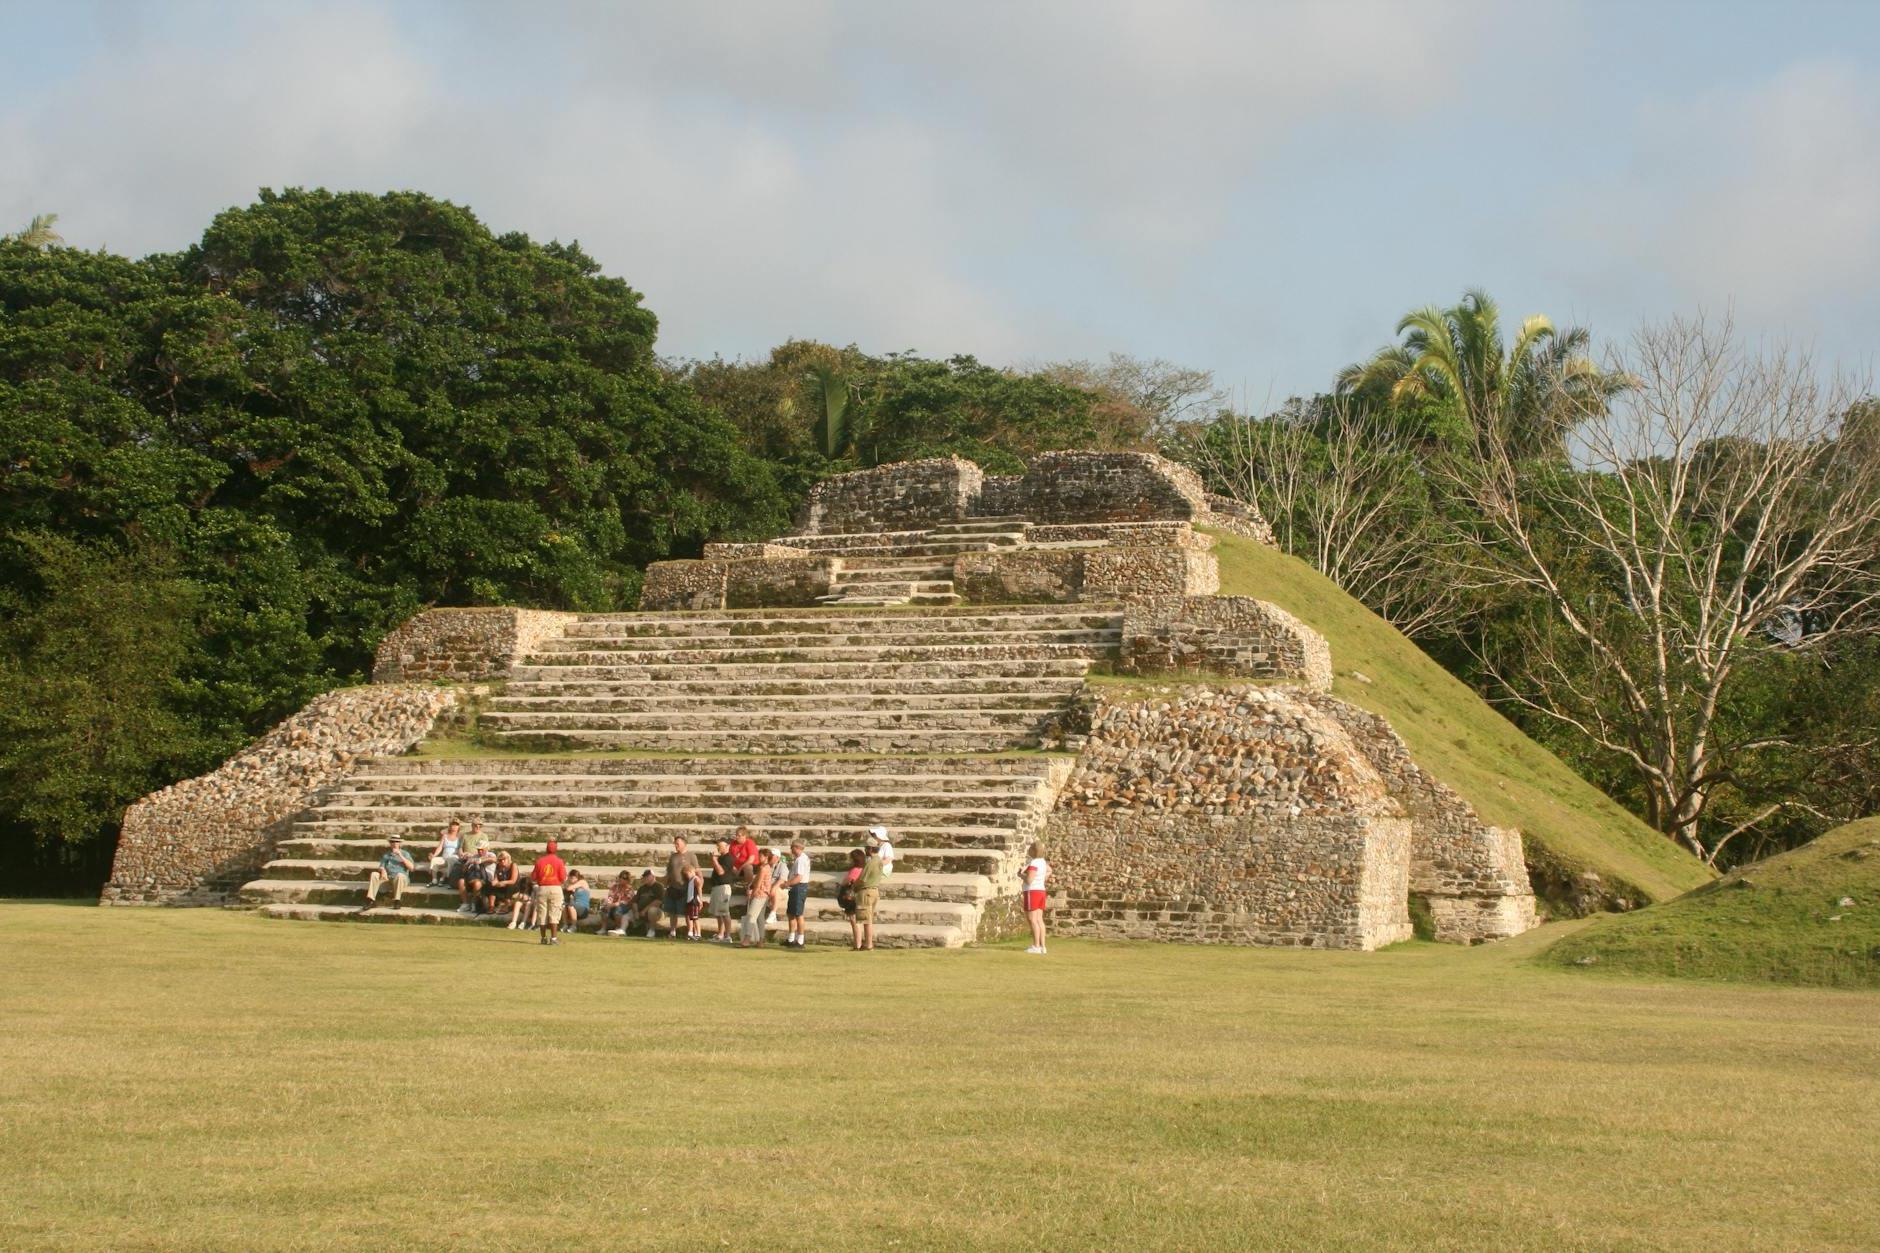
757, 902
885, 848
721, 879
868, 897
846, 894
550, 877
680, 867
798, 902
395, 867
694, 902
1036, 872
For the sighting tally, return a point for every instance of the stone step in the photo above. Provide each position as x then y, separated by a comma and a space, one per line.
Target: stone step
892, 909
895, 935
819, 654
826, 852
1056, 688
571, 776
806, 739
526, 700
683, 716
647, 670
770, 619
967, 889
668, 822
820, 769
883, 635
972, 809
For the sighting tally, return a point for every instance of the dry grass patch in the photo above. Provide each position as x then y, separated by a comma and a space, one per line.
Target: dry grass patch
212, 1079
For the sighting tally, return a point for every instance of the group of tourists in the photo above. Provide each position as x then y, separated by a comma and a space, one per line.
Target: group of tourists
553, 897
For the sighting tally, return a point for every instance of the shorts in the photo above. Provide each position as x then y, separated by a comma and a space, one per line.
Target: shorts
551, 901
1034, 899
721, 901
799, 897
865, 902
673, 902
692, 909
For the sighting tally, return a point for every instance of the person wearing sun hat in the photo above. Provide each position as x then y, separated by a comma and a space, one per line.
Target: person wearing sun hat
878, 839
395, 867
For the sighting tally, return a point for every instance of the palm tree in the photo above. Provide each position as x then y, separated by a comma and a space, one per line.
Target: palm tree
38, 232
1531, 393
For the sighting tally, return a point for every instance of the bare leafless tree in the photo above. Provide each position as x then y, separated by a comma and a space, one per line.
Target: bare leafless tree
1342, 490
1710, 512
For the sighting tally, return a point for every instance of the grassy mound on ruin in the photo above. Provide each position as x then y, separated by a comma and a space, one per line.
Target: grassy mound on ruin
1808, 916
1569, 826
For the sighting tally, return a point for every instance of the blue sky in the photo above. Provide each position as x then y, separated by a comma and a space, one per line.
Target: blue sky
1260, 189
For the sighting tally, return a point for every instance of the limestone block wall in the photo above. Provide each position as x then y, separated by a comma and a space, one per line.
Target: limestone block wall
745, 583
196, 842
1227, 635
908, 495
673, 585
463, 645
1061, 575
1241, 816
1061, 487
1472, 875
1239, 519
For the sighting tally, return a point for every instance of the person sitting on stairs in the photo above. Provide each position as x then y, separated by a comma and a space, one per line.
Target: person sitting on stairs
445, 856
395, 866
617, 909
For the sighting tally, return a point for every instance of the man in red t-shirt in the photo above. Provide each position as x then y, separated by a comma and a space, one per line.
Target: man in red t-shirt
744, 857
548, 875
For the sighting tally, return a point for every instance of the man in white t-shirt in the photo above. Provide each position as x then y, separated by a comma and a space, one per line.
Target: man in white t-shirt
878, 836
798, 899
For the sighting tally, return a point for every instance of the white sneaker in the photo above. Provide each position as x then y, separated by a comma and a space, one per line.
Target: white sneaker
616, 931
1034, 949
466, 909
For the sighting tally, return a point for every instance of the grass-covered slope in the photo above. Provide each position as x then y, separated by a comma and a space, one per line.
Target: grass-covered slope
1777, 921
1569, 825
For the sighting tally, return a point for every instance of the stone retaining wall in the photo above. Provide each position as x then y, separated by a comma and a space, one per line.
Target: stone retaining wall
908, 495
1235, 636
1062, 575
1061, 487
1242, 816
196, 842
762, 583
1472, 875
463, 645
1235, 518
671, 585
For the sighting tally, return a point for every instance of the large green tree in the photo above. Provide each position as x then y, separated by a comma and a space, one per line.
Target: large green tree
332, 411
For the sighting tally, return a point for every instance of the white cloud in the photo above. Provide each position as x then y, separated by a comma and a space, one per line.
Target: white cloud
855, 171
1766, 198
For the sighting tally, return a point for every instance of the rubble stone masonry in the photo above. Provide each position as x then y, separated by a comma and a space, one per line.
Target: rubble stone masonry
1233, 636
463, 645
195, 842
1269, 816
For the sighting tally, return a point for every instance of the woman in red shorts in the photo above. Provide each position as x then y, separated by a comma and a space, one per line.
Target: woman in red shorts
1036, 872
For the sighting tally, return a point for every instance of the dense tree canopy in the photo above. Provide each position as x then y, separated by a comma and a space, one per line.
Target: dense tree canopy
333, 410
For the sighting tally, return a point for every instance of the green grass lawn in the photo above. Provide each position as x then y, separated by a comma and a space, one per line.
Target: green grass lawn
1777, 921
212, 1079
1568, 824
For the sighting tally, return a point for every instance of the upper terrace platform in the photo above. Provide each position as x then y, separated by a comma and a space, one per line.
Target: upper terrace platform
1075, 526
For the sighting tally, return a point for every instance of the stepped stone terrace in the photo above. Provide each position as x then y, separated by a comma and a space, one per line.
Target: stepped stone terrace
901, 659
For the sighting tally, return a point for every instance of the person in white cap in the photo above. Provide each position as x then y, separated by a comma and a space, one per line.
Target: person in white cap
885, 849
395, 867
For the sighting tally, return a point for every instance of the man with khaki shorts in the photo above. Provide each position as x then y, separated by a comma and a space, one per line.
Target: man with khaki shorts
868, 895
550, 876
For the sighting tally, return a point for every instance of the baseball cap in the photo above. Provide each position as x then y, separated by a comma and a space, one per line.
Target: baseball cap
880, 833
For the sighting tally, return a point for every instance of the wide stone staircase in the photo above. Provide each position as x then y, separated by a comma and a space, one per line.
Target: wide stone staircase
971, 679
958, 823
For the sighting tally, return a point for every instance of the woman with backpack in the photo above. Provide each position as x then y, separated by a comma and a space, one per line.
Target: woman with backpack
845, 895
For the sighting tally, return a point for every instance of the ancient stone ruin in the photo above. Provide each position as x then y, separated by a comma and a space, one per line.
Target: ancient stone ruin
898, 660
